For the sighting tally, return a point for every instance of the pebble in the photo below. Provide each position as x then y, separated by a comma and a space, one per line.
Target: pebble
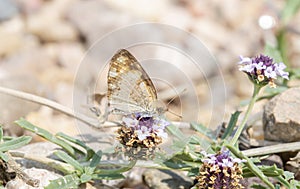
105, 20
281, 119
43, 175
51, 27
8, 9
159, 179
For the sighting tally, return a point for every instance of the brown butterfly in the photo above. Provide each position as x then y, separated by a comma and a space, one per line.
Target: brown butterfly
130, 89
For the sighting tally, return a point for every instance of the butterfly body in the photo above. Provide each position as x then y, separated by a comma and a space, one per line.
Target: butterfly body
130, 89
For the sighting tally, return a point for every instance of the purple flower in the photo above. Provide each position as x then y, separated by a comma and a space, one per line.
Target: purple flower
279, 67
270, 73
220, 171
262, 69
245, 60
143, 133
142, 129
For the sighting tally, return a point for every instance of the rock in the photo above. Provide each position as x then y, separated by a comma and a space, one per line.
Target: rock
46, 118
94, 19
44, 176
15, 107
11, 36
271, 160
52, 27
281, 119
294, 166
45, 149
29, 6
8, 9
161, 179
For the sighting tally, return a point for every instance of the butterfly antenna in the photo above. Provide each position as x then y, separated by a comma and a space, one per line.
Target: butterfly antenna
175, 114
170, 101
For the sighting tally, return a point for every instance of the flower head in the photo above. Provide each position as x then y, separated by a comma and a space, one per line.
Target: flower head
142, 130
262, 69
220, 171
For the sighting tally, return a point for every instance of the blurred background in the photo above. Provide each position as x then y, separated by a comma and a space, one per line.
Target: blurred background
44, 42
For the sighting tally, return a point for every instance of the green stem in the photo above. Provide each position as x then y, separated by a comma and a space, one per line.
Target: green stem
249, 109
253, 168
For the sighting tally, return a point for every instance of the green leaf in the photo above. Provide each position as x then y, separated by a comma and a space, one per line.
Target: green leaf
85, 178
254, 169
14, 143
290, 9
232, 123
179, 145
68, 159
89, 152
295, 73
203, 130
245, 102
269, 171
111, 176
174, 130
4, 157
182, 160
203, 142
273, 52
277, 186
65, 182
295, 184
122, 169
45, 134
288, 175
258, 186
1, 133
271, 92
96, 159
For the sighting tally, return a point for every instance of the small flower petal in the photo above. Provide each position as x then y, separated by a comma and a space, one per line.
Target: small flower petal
244, 60
260, 66
279, 67
130, 122
161, 133
143, 133
247, 68
270, 73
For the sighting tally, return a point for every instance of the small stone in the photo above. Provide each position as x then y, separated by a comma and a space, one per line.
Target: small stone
158, 179
51, 27
7, 9
273, 159
11, 36
294, 166
281, 119
44, 177
88, 17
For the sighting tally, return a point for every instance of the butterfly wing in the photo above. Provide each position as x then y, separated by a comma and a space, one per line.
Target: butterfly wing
129, 87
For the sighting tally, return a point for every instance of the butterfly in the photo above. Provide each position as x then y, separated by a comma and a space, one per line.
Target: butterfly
130, 89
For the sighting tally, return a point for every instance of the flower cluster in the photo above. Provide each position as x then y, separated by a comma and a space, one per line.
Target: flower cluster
142, 130
220, 171
262, 69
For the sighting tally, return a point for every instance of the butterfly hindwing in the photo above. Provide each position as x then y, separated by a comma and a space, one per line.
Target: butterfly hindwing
129, 87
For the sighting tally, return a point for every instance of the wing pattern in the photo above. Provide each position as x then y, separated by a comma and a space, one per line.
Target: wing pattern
130, 89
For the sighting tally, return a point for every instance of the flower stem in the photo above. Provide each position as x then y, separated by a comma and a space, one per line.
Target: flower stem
249, 109
253, 168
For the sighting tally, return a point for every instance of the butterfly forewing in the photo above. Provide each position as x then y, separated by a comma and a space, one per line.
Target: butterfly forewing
129, 87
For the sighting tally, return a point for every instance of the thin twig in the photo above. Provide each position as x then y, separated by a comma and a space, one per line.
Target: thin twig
68, 111
20, 173
63, 167
53, 105
287, 147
